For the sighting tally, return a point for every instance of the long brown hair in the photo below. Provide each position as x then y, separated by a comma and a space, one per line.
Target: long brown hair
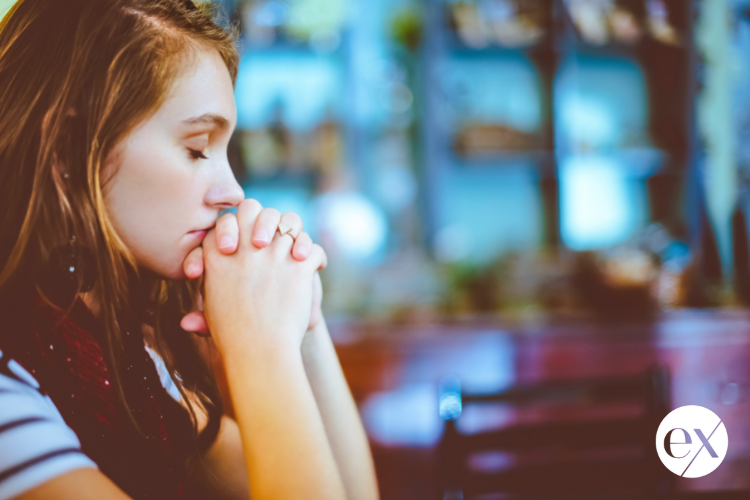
112, 62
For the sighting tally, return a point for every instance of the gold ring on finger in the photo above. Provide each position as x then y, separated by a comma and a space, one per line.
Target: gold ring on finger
284, 229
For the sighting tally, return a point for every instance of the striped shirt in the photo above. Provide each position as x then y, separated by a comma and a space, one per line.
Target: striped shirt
36, 444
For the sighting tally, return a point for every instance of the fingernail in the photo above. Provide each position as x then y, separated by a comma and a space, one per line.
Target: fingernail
261, 235
226, 242
303, 252
191, 269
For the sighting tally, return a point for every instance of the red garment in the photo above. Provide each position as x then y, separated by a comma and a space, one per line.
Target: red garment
68, 362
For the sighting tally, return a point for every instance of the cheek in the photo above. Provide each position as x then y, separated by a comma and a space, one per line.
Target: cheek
151, 201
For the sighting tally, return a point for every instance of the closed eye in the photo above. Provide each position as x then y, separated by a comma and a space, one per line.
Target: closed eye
197, 155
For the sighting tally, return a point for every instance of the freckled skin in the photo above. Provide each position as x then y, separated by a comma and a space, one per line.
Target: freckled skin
160, 190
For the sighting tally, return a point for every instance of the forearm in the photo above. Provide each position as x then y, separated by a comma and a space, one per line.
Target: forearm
340, 416
283, 436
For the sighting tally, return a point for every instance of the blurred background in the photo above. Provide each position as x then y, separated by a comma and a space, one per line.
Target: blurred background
514, 194
522, 157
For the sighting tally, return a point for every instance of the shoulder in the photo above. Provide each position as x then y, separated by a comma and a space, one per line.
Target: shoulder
36, 444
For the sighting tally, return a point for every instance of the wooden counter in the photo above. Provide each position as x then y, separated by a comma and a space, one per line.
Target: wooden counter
393, 371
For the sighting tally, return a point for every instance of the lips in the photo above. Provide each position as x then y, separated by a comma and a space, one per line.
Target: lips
200, 233
206, 229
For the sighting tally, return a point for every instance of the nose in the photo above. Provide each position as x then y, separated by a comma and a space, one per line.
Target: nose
225, 192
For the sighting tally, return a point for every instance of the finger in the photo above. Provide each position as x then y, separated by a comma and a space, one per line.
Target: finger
318, 257
302, 247
193, 263
227, 233
265, 227
209, 242
195, 322
282, 244
290, 223
247, 213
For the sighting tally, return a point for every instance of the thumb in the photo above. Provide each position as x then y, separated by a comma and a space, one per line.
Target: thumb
195, 322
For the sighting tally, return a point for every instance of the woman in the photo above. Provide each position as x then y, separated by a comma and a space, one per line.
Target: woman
115, 117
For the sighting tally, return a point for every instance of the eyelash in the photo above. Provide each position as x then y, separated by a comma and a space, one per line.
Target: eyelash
197, 155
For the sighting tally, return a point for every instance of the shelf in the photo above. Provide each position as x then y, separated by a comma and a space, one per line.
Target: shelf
501, 157
564, 41
536, 33
539, 161
617, 49
664, 69
613, 49
639, 162
455, 46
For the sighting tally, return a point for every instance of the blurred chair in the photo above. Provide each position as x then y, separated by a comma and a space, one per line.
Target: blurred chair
572, 439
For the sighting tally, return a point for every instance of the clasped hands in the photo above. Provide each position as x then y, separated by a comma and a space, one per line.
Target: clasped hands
230, 237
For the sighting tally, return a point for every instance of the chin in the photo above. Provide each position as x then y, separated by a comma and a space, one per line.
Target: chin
167, 270
176, 273
177, 276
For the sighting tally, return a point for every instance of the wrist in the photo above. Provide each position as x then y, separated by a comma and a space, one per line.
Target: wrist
315, 341
237, 336
259, 352
319, 330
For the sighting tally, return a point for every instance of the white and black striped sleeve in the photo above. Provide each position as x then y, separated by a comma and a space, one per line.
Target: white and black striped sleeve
36, 444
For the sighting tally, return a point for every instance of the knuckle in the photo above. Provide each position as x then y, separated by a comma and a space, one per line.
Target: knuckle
247, 211
226, 221
317, 252
292, 217
225, 218
271, 213
250, 204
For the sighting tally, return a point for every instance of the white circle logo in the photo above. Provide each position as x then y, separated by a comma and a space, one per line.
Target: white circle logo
692, 441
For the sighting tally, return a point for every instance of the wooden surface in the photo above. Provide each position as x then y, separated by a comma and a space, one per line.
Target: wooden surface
393, 371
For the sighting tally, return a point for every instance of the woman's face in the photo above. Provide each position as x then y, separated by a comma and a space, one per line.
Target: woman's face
171, 173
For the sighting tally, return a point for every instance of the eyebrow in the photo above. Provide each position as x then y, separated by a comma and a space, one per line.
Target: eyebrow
208, 119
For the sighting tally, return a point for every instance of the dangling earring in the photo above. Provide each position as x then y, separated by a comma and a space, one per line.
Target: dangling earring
71, 270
